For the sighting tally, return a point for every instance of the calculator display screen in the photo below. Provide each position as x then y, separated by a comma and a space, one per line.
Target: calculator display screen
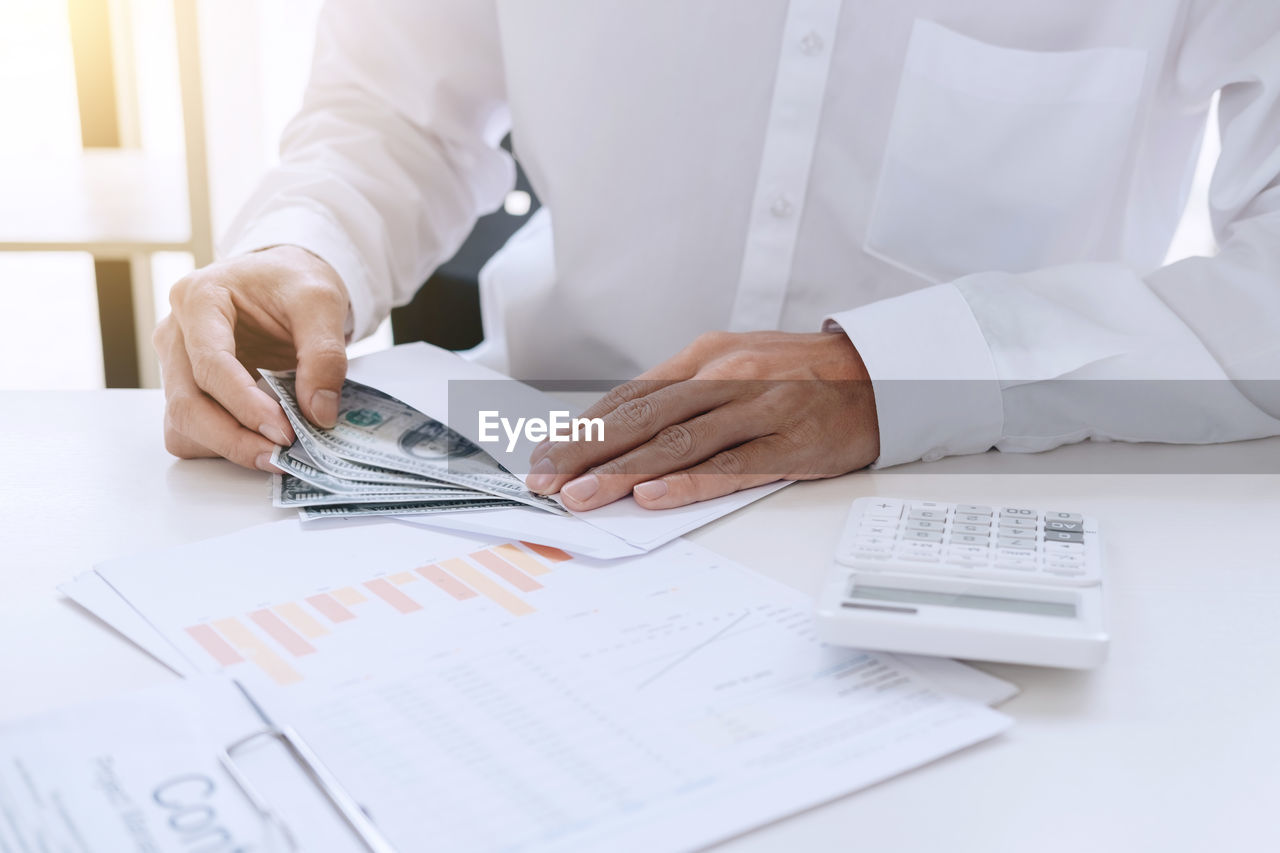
973, 602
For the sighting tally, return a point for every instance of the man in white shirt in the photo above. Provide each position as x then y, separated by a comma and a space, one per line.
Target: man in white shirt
977, 194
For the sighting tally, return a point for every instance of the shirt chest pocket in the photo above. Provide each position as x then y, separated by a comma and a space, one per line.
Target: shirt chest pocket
1003, 159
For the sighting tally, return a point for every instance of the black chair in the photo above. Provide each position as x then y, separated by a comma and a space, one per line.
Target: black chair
446, 310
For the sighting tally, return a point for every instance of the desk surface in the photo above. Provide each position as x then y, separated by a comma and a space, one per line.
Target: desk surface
1173, 745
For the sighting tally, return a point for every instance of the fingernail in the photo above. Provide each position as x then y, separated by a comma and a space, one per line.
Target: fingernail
264, 463
652, 490
324, 407
582, 488
541, 476
274, 434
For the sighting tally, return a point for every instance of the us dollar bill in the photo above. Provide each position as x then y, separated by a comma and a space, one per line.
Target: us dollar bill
289, 491
344, 469
377, 430
315, 513
293, 465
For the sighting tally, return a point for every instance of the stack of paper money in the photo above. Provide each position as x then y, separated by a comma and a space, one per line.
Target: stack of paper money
385, 458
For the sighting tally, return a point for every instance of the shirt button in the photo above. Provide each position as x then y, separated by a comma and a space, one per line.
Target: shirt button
811, 44
782, 207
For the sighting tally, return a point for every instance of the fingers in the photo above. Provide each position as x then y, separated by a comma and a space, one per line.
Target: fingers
631, 424
607, 405
195, 425
679, 368
207, 322
732, 470
322, 356
675, 448
623, 394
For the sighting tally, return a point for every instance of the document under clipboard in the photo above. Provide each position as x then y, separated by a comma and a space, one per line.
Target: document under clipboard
324, 780
172, 767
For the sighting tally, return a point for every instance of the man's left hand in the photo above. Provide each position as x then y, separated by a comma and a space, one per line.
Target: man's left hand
729, 412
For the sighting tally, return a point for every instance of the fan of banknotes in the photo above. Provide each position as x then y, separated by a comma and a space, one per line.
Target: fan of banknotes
385, 458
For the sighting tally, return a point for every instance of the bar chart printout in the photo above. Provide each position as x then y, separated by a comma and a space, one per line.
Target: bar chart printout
663, 702
274, 638
707, 708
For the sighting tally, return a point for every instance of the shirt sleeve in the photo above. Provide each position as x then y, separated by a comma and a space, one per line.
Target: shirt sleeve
1189, 353
395, 151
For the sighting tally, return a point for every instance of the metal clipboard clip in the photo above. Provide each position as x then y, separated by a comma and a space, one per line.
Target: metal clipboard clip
350, 810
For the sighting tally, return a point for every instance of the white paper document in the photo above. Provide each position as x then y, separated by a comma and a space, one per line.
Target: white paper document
94, 594
503, 696
419, 375
145, 772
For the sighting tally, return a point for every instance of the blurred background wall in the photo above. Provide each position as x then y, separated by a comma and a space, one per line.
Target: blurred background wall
57, 106
96, 155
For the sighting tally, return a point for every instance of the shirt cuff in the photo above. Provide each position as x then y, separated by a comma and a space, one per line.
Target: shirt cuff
319, 235
936, 387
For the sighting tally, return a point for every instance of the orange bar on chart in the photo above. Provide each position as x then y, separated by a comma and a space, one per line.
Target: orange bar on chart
506, 571
526, 561
349, 596
392, 596
555, 555
446, 582
281, 633
214, 645
487, 587
330, 608
402, 578
302, 621
256, 650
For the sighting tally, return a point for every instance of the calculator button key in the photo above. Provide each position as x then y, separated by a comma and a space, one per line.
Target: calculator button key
934, 506
877, 529
971, 509
1017, 532
974, 529
969, 555
1064, 548
1005, 543
1022, 565
1071, 517
970, 518
919, 524
1018, 522
1017, 512
974, 550
921, 536
921, 552
873, 543
1063, 536
973, 539
928, 515
883, 508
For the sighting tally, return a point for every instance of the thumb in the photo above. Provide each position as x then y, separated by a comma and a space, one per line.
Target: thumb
322, 360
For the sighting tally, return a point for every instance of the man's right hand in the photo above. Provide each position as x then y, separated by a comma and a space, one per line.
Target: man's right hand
279, 308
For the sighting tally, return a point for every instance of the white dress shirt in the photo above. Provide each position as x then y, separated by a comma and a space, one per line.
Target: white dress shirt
980, 191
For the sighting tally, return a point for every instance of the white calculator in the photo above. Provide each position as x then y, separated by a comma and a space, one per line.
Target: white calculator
997, 583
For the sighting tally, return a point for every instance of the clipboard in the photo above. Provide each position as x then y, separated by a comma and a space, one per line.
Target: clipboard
172, 767
320, 775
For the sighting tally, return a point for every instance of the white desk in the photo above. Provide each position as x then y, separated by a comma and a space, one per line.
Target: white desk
1173, 745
